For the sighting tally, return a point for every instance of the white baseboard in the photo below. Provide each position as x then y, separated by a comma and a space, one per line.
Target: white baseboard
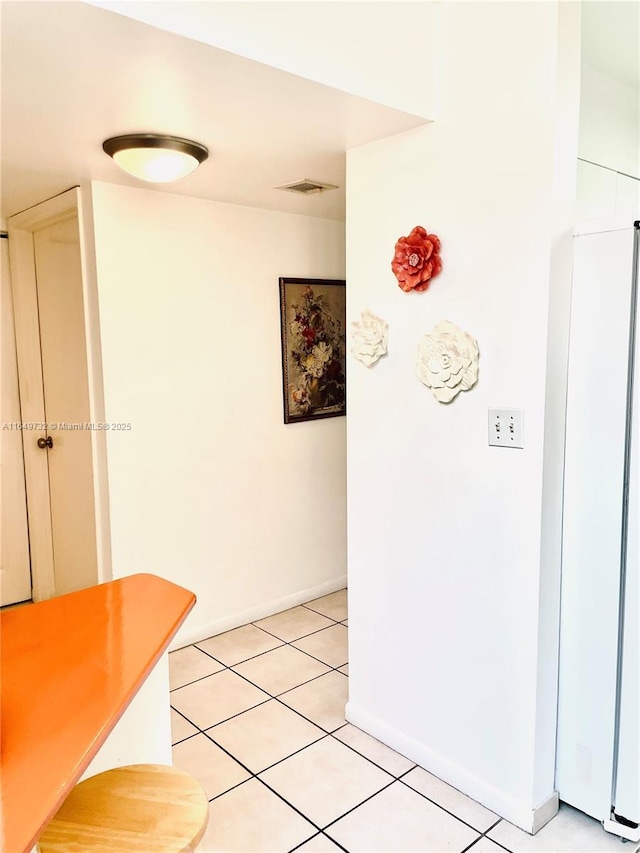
545, 811
189, 634
515, 811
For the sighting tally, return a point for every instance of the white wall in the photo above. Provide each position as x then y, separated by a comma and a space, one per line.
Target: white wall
359, 48
15, 572
609, 146
142, 735
609, 143
209, 488
448, 601
609, 122
603, 193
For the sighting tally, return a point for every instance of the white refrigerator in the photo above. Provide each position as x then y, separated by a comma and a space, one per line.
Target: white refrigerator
598, 749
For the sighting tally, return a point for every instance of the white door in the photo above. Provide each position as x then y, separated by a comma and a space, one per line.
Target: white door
15, 571
47, 281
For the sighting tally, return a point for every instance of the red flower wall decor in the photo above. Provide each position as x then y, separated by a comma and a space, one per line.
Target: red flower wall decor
416, 260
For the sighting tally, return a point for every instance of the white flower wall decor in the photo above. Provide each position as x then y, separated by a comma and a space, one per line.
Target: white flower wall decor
448, 361
370, 336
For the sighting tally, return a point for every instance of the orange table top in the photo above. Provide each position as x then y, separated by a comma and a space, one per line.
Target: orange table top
69, 668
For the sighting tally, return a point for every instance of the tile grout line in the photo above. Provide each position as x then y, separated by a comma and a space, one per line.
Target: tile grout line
270, 696
333, 841
261, 654
239, 714
308, 603
180, 713
253, 775
258, 779
329, 825
321, 833
256, 775
357, 806
322, 830
362, 755
442, 808
277, 698
260, 628
276, 695
269, 788
392, 777
493, 841
273, 791
493, 826
253, 684
297, 640
498, 844
209, 733
232, 788
196, 680
325, 734
300, 714
398, 778
306, 841
401, 779
469, 849
270, 634
244, 660
275, 763
226, 719
264, 630
324, 737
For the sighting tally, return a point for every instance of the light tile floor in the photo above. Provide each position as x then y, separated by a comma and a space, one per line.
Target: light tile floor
258, 717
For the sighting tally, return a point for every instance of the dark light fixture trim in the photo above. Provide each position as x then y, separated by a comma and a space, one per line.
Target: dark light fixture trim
155, 140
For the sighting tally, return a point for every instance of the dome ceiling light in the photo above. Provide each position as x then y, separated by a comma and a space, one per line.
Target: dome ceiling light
154, 157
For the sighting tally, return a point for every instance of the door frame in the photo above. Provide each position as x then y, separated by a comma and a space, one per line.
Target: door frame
21, 228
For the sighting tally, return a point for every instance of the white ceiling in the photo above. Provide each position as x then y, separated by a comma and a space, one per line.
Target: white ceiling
73, 75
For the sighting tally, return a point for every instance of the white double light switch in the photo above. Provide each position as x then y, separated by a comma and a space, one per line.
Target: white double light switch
506, 427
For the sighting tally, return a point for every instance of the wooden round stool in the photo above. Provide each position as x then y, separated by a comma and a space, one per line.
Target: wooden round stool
144, 808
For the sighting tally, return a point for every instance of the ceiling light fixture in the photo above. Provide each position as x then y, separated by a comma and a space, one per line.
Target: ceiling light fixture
154, 157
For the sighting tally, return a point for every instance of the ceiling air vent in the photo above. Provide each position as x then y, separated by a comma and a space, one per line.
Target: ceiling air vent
307, 186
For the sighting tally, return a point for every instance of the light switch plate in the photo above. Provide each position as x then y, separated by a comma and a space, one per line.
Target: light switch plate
506, 428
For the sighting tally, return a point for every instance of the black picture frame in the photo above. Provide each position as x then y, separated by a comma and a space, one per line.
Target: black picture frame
313, 323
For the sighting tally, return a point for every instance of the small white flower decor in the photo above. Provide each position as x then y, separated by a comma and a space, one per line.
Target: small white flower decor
448, 361
370, 335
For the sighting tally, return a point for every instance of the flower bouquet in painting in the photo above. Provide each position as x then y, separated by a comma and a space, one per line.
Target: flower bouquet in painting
313, 348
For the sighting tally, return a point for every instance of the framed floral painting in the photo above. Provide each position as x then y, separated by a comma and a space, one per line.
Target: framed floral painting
313, 316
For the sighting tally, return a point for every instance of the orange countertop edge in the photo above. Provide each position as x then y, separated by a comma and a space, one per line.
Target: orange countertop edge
69, 667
